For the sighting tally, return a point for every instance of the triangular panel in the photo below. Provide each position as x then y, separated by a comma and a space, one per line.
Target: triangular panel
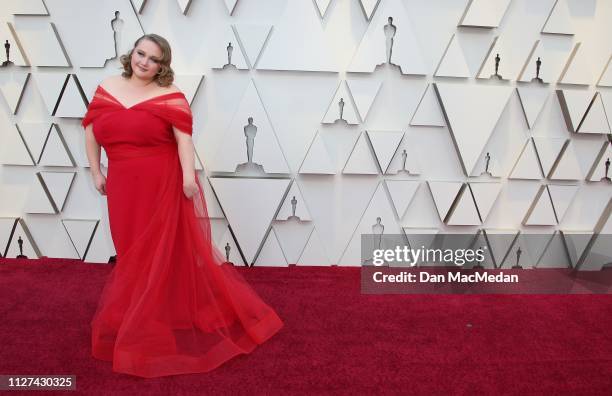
50, 87
17, 54
541, 212
314, 252
227, 53
30, 248
250, 218
189, 85
293, 199
230, 250
56, 151
553, 55
317, 159
80, 233
364, 92
300, 23
58, 185
12, 86
271, 254
385, 144
368, 7
361, 161
472, 113
453, 63
322, 6
71, 104
575, 242
568, 167
601, 163
444, 194
561, 196
532, 98
7, 224
39, 201
559, 21
376, 45
292, 238
232, 153
41, 42
405, 160
605, 80
34, 135
231, 5
485, 195
13, 150
484, 13
578, 69
464, 211
595, 120
574, 104
253, 38
378, 219
184, 5
341, 107
428, 112
499, 242
402, 192
527, 166
139, 5
548, 150
101, 246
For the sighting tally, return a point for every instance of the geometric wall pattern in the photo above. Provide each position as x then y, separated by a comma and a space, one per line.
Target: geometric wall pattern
361, 119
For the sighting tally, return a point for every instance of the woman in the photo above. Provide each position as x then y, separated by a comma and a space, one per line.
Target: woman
171, 304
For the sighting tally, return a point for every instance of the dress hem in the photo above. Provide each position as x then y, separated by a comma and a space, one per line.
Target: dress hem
182, 364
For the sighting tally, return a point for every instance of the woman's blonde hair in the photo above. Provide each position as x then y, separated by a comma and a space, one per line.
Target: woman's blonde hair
165, 76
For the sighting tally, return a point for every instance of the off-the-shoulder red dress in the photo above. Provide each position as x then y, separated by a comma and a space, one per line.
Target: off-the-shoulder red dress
171, 304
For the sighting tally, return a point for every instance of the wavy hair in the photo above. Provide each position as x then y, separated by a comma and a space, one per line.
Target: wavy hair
165, 75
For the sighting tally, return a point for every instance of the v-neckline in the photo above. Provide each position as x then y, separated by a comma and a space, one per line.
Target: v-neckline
138, 103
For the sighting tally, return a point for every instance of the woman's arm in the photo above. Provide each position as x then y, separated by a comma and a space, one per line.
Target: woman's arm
187, 158
93, 155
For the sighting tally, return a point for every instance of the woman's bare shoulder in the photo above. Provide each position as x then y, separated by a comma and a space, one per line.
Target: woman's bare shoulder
112, 81
171, 88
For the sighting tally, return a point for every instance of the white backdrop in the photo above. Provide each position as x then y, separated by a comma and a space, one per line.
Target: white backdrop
295, 59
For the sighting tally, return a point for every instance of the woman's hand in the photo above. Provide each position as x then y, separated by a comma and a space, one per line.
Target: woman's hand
100, 182
190, 187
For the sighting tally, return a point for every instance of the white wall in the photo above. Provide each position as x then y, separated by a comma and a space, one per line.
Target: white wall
303, 61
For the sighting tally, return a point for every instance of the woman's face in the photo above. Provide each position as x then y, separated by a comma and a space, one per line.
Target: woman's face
145, 59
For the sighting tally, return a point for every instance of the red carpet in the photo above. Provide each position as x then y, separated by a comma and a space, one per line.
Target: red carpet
335, 340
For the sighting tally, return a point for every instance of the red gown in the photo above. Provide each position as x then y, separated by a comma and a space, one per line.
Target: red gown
171, 304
